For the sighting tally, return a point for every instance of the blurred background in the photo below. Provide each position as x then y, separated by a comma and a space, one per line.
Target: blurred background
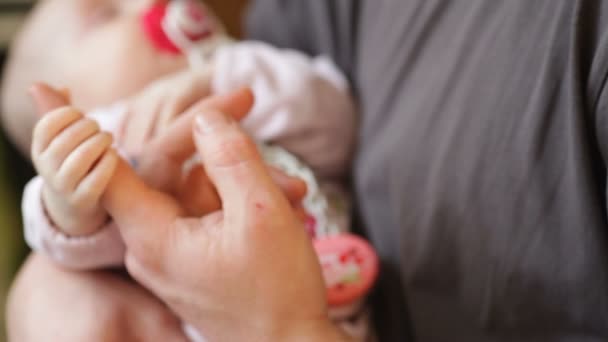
15, 169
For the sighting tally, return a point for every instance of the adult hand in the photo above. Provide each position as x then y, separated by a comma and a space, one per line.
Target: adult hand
245, 272
153, 109
161, 163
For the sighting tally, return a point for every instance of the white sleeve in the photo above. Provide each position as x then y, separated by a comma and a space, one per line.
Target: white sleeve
302, 104
102, 249
110, 118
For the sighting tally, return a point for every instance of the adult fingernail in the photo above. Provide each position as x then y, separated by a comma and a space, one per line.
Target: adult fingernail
212, 121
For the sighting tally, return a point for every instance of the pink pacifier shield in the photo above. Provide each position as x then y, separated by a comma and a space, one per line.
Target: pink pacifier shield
349, 265
152, 23
173, 25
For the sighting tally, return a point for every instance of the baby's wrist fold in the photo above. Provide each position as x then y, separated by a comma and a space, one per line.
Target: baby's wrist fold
72, 222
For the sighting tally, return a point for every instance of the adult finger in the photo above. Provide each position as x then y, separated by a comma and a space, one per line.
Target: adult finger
143, 215
176, 142
197, 194
294, 188
170, 110
162, 159
234, 165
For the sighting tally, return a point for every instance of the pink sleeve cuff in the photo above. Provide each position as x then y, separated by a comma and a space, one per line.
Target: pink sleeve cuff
102, 249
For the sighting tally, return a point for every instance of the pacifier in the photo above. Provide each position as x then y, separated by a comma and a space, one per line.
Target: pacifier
175, 26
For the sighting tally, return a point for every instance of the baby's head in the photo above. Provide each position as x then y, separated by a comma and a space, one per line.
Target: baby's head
99, 49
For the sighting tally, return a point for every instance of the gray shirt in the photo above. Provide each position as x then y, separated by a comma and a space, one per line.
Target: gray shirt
481, 167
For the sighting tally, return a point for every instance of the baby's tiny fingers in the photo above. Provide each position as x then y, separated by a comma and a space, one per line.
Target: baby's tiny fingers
68, 140
93, 185
81, 161
50, 125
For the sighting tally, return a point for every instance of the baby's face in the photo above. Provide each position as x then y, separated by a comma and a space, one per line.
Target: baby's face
97, 48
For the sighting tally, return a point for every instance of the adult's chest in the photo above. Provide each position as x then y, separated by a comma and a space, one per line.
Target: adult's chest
474, 143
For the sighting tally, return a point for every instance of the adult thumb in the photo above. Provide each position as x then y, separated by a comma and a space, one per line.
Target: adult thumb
234, 165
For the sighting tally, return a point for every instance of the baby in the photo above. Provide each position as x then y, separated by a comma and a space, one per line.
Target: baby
134, 66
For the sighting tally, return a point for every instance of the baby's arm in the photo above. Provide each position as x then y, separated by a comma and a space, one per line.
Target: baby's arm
66, 141
76, 161
302, 104
102, 249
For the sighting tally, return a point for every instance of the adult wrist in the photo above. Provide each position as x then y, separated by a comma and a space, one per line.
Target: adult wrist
314, 331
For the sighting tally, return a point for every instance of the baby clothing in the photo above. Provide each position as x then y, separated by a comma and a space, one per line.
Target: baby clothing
302, 105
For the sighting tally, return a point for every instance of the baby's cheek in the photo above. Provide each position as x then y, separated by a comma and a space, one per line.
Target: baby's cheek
116, 62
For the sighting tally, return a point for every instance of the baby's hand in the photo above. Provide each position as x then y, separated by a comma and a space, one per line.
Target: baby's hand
77, 162
152, 110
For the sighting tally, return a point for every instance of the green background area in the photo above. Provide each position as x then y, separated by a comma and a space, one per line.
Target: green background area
15, 171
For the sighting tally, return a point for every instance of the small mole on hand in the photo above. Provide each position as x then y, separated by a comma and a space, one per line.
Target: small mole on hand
259, 206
